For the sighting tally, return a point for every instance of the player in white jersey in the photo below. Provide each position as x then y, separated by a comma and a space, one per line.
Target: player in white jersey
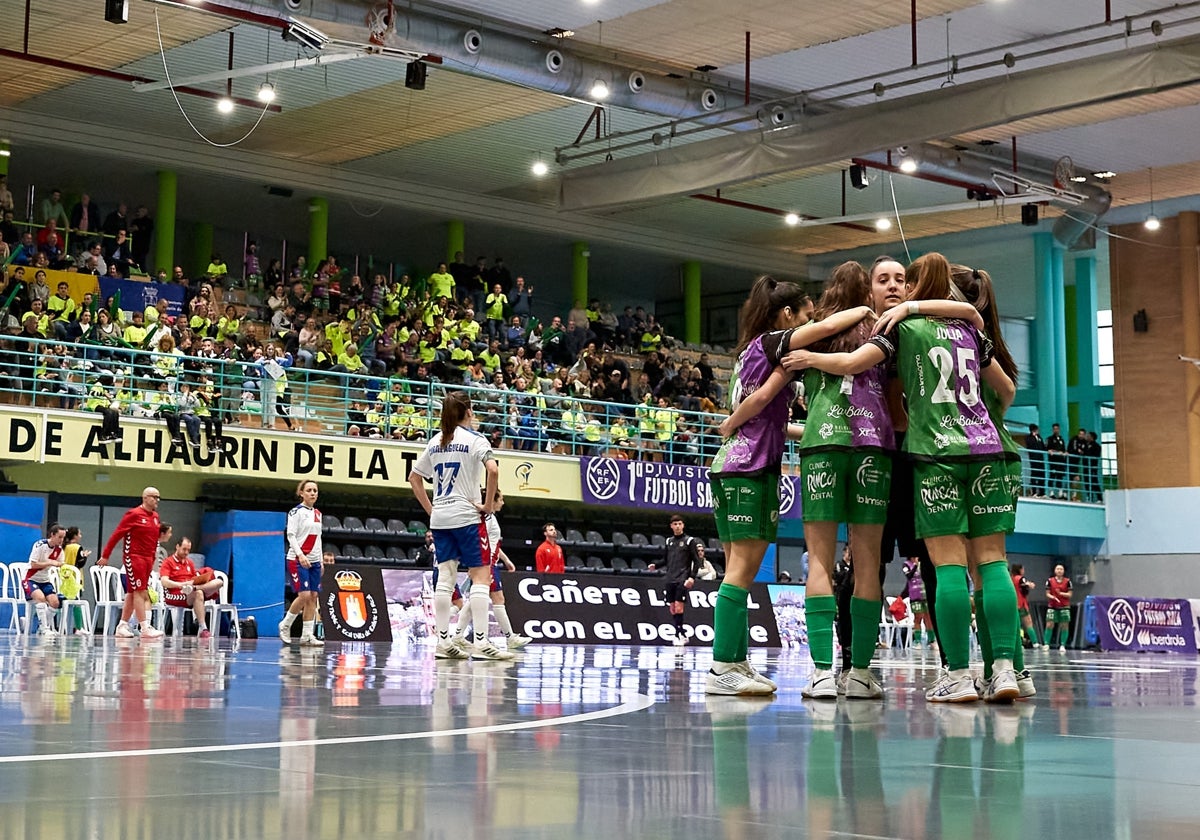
456, 460
303, 564
513, 641
46, 554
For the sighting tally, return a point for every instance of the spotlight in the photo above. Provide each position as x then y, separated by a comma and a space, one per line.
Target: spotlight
883, 223
858, 177
791, 219
1152, 222
225, 105
266, 93
907, 165
599, 89
539, 168
1105, 175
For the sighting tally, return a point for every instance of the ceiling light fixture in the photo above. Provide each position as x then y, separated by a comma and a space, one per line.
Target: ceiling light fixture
266, 93
539, 168
908, 165
1079, 179
883, 224
1152, 222
599, 89
791, 219
1105, 175
225, 105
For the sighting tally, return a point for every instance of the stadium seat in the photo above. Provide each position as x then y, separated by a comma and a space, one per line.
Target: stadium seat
619, 565
330, 524
598, 543
658, 541
596, 566
397, 526
375, 526
417, 527
638, 539
414, 554
353, 525
637, 564
374, 552
574, 563
622, 545
572, 538
328, 546
353, 552
395, 552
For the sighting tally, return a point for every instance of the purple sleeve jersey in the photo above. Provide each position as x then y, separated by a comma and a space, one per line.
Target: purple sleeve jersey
757, 446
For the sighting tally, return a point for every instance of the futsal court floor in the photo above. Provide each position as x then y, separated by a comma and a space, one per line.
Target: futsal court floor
181, 739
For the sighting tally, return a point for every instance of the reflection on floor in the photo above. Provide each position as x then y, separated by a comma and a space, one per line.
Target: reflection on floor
182, 740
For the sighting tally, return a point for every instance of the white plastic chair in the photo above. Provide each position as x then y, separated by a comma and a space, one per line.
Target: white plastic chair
110, 596
16, 578
887, 626
68, 605
222, 606
178, 614
12, 595
158, 607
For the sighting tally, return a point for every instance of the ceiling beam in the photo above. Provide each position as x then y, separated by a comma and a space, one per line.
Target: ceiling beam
859, 131
358, 184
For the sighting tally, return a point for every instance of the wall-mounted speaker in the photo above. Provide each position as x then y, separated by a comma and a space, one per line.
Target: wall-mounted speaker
116, 11
414, 75
1029, 215
1141, 321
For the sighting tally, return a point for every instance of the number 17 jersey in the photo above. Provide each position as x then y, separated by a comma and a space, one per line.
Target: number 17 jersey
456, 470
939, 363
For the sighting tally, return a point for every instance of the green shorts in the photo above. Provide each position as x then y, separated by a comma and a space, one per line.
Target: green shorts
852, 487
1012, 471
1058, 616
1023, 612
918, 607
964, 497
746, 507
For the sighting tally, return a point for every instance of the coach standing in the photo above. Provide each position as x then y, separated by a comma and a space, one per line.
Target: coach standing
139, 528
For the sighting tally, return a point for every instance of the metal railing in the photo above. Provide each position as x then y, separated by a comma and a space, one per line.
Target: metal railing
144, 383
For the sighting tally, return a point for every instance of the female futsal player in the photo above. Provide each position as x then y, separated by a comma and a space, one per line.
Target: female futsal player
303, 564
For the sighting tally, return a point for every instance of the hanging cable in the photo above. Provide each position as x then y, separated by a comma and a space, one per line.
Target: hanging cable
171, 86
899, 224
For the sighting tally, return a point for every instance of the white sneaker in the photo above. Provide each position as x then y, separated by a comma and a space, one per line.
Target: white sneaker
451, 648
733, 681
311, 641
47, 631
1004, 687
746, 668
152, 632
953, 687
983, 687
1025, 684
1062, 648
124, 631
515, 642
862, 685
843, 679
823, 686
487, 650
285, 633
679, 641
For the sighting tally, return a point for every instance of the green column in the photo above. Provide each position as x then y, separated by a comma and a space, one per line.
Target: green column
202, 247
456, 239
1072, 354
691, 302
318, 231
1084, 338
5, 152
1049, 332
164, 221
579, 271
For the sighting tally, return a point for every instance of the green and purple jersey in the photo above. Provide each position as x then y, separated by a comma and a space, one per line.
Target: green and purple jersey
939, 363
757, 445
849, 412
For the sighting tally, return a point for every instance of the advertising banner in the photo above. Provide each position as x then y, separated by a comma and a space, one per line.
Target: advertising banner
673, 487
136, 295
1145, 624
621, 610
354, 606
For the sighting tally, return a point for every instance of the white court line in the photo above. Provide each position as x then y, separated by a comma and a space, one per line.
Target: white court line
636, 704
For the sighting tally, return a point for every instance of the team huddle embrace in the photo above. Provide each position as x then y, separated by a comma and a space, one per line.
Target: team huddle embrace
906, 379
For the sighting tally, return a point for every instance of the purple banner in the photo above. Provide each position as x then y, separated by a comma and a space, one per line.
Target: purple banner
645, 484
1155, 624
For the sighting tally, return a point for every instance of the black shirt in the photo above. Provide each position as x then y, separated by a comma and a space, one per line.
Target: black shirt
682, 558
1056, 445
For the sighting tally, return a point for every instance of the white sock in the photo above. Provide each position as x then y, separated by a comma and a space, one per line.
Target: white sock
288, 619
42, 614
442, 606
481, 599
501, 612
463, 624
308, 630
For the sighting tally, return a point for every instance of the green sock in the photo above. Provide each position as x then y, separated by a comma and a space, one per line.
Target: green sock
864, 630
819, 611
1046, 637
821, 780
730, 778
1000, 605
1019, 658
729, 624
984, 634
916, 637
954, 616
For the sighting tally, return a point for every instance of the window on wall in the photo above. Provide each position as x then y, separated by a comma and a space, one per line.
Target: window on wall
1104, 343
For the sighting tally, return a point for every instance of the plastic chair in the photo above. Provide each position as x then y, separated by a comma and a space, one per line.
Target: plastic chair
330, 524
14, 595
375, 525
353, 552
417, 527
67, 606
887, 626
636, 539
158, 606
397, 526
110, 596
222, 606
574, 563
8, 599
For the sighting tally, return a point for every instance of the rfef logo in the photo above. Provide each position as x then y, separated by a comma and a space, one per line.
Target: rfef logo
1121, 621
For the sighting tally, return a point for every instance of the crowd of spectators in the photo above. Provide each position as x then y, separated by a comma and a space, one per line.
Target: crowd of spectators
388, 343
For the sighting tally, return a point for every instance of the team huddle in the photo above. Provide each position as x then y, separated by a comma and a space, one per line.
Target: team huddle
906, 379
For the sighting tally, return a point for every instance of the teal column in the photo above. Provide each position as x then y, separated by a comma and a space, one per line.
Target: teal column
202, 246
1050, 333
1087, 347
164, 221
318, 231
691, 302
579, 271
456, 239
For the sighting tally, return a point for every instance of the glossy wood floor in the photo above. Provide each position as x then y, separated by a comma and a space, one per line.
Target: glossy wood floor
182, 740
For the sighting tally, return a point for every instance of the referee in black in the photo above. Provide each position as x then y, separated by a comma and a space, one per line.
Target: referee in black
681, 566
